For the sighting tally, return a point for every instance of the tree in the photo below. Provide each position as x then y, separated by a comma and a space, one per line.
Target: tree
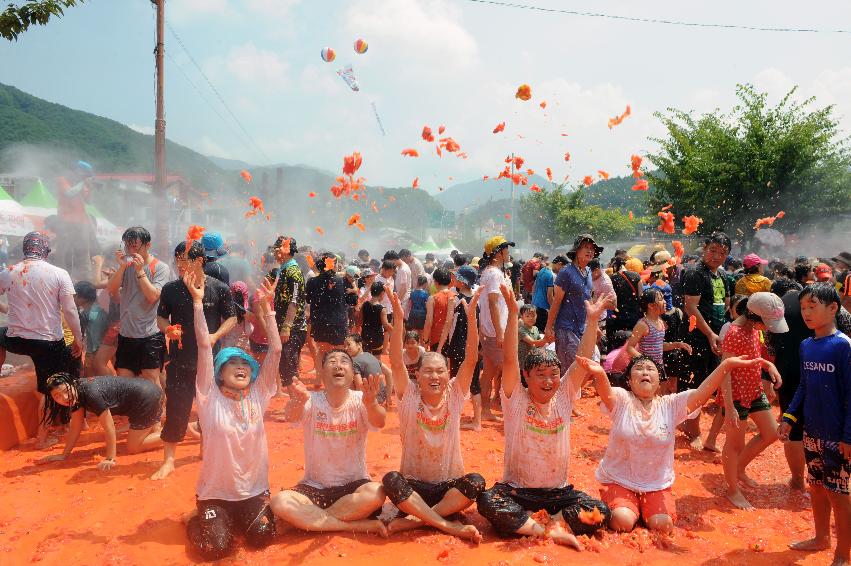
15, 20
731, 169
556, 216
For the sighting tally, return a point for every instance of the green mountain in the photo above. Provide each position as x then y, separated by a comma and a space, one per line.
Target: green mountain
473, 194
75, 135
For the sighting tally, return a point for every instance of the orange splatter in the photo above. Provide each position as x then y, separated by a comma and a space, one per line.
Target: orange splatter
635, 162
508, 217
768, 220
618, 119
410, 152
603, 174
567, 156
667, 207
640, 185
320, 231
310, 263
499, 128
667, 223
691, 222
535, 188
530, 172
631, 217
441, 129
246, 176
518, 162
195, 232
692, 323
524, 92
549, 175
361, 227
175, 332
449, 145
543, 104
311, 194
329, 263
416, 183
391, 198
374, 207
351, 163
427, 135
593, 517
679, 250
588, 180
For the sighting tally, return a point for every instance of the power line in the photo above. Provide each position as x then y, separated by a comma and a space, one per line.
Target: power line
217, 93
657, 20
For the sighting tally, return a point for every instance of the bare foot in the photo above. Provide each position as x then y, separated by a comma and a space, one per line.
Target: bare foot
696, 443
743, 478
401, 524
194, 431
576, 414
811, 545
466, 532
797, 484
738, 499
164, 471
711, 447
563, 537
488, 416
472, 426
48, 442
369, 526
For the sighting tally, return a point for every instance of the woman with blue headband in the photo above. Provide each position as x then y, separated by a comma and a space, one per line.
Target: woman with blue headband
232, 393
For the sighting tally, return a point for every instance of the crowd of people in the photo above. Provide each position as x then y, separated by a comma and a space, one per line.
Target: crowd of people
658, 340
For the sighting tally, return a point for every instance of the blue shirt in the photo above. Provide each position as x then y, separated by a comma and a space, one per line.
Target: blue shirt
577, 289
542, 285
823, 398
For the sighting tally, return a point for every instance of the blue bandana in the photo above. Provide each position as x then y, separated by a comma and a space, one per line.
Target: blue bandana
228, 353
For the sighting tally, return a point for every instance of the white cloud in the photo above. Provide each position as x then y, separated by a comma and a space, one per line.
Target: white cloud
147, 130
271, 9
181, 11
252, 68
425, 34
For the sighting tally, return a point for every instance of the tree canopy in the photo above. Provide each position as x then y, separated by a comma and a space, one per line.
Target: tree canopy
732, 169
15, 20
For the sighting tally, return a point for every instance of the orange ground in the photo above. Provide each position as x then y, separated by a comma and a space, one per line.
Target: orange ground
69, 512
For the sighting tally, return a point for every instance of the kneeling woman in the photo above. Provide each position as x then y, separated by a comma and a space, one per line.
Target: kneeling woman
233, 486
637, 470
138, 399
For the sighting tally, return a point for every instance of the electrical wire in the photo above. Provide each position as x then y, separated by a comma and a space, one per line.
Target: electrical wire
658, 20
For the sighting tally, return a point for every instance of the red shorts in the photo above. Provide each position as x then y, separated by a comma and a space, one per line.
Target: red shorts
110, 337
645, 505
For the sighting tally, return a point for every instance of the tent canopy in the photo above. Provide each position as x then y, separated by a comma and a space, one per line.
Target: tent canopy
39, 197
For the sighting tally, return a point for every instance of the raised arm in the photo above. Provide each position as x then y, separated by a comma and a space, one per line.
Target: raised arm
397, 339
204, 376
593, 310
601, 380
510, 359
298, 400
471, 355
375, 413
269, 370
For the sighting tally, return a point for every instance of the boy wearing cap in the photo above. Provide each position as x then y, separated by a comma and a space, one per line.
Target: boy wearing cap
493, 315
746, 394
842, 263
214, 248
573, 286
753, 281
823, 273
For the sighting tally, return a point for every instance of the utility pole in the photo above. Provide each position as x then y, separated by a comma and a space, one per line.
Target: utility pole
161, 205
511, 183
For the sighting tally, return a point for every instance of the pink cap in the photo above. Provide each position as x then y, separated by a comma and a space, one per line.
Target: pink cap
753, 259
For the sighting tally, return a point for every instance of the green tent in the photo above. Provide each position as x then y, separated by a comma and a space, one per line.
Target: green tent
39, 199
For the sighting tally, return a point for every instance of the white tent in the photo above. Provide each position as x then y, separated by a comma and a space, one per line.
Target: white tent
13, 220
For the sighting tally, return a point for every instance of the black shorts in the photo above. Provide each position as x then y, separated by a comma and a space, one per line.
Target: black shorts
290, 356
48, 356
702, 362
149, 412
179, 394
329, 334
399, 488
826, 466
211, 531
325, 497
784, 396
136, 354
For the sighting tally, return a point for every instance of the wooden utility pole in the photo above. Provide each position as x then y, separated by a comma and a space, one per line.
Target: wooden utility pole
161, 208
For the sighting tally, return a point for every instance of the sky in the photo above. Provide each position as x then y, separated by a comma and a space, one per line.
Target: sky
456, 63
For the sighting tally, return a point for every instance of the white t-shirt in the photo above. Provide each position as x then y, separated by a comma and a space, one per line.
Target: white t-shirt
236, 455
537, 447
34, 288
601, 286
334, 440
491, 278
640, 452
403, 286
388, 306
431, 437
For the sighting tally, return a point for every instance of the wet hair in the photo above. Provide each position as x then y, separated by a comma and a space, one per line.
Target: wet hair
752, 269
460, 259
376, 289
429, 256
320, 265
422, 280
560, 259
86, 291
541, 357
442, 276
355, 337
649, 296
628, 371
363, 253
293, 245
55, 412
527, 308
404, 252
196, 250
438, 355
719, 238
273, 274
740, 302
337, 351
136, 233
824, 293
391, 255
617, 263
783, 270
412, 335
594, 264
802, 270
238, 301
388, 264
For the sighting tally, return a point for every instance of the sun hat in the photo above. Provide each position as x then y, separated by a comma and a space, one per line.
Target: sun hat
769, 308
582, 239
751, 260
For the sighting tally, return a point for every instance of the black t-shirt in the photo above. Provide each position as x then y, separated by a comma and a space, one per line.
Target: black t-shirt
176, 307
372, 331
712, 289
217, 270
326, 296
126, 396
627, 286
